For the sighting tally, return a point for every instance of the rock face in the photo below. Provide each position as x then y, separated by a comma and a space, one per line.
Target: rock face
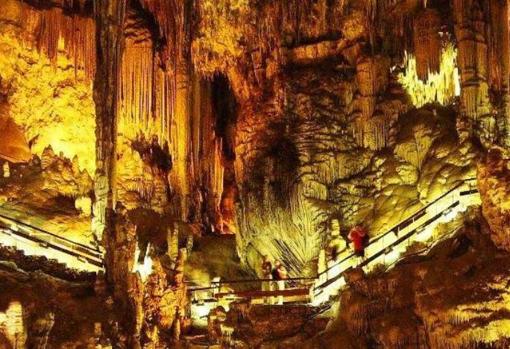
494, 185
66, 315
50, 98
413, 307
312, 158
262, 326
270, 119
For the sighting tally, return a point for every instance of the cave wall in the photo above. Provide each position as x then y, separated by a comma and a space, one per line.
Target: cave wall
322, 89
320, 95
47, 92
47, 95
323, 96
323, 127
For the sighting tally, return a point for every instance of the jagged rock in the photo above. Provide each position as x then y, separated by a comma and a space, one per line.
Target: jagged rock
494, 186
40, 331
263, 326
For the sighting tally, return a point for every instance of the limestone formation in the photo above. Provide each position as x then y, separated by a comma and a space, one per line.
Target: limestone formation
180, 141
493, 177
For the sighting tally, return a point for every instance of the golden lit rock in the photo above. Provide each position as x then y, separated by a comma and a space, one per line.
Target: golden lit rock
248, 173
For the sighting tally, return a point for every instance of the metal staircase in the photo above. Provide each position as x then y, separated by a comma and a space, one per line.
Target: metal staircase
35, 241
386, 248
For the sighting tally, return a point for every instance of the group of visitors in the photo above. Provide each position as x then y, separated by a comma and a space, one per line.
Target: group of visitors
274, 277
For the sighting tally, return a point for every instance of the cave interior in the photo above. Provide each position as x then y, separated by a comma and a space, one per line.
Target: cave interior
255, 174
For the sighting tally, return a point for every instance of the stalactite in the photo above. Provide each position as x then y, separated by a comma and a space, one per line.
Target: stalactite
471, 30
374, 133
440, 87
136, 89
427, 43
174, 19
54, 31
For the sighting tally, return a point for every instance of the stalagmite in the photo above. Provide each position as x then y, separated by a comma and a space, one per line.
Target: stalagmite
109, 18
181, 134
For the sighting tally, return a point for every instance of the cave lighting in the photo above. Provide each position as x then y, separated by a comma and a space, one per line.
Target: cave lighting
441, 87
12, 325
145, 268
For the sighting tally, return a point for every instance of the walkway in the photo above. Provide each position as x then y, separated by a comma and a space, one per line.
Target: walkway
384, 249
34, 241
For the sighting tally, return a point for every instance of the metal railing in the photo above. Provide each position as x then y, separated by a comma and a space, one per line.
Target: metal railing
396, 230
86, 254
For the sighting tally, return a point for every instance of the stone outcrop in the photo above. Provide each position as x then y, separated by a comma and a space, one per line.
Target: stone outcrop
494, 186
254, 326
39, 311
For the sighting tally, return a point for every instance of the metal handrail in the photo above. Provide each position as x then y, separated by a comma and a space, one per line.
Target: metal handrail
91, 260
395, 229
216, 284
66, 242
400, 240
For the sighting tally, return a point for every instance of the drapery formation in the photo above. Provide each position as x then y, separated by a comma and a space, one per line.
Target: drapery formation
427, 42
57, 31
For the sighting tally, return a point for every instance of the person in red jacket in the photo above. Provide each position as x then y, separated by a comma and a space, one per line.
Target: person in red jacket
358, 235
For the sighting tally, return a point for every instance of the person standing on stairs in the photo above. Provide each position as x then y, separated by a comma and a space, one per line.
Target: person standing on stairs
359, 237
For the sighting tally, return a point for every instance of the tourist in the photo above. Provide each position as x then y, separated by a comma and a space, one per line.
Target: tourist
267, 268
358, 236
280, 274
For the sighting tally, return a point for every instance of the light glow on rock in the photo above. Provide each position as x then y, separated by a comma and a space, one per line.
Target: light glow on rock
51, 102
11, 324
145, 268
441, 87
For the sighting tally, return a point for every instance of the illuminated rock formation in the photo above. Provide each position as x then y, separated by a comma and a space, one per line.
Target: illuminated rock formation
165, 124
46, 99
428, 312
14, 146
483, 61
427, 42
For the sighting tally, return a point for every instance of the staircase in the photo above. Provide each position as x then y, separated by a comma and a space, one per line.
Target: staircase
386, 248
34, 241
